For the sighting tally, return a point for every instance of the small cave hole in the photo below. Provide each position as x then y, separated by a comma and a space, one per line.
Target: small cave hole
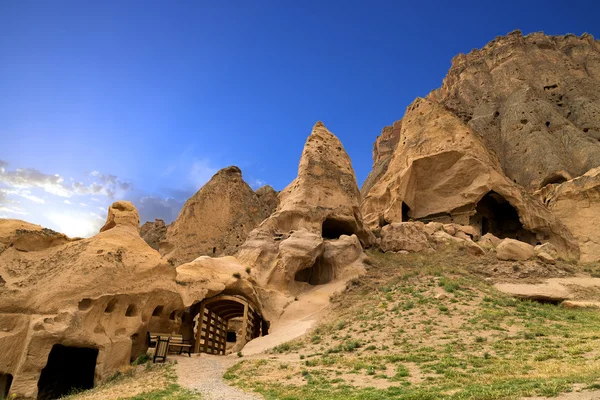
334, 228
173, 315
110, 307
586, 130
231, 337
265, 325
494, 214
157, 311
496, 114
214, 250
5, 382
85, 304
132, 311
554, 178
405, 212
68, 369
382, 222
319, 273
547, 123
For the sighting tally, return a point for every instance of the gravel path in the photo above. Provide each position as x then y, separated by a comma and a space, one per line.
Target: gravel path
204, 373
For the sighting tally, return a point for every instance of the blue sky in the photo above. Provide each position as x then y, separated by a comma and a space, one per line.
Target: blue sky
107, 100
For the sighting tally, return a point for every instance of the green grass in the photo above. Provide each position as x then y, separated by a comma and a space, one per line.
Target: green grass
172, 392
392, 338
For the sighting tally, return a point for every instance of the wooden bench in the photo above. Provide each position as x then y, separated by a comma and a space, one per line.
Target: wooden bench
162, 348
175, 340
185, 346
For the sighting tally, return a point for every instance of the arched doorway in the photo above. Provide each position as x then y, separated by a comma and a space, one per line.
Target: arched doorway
213, 317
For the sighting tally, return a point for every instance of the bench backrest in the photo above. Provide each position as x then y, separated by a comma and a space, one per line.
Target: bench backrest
162, 347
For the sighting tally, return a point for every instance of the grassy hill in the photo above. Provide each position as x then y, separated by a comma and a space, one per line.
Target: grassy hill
431, 326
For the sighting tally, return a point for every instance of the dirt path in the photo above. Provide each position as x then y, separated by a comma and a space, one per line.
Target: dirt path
204, 373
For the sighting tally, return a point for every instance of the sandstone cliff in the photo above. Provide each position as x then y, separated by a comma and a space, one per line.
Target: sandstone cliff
521, 113
154, 232
216, 220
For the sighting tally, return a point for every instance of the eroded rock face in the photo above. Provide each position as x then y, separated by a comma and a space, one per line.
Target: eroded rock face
268, 199
122, 213
100, 293
154, 232
534, 100
442, 171
216, 220
577, 204
408, 236
316, 235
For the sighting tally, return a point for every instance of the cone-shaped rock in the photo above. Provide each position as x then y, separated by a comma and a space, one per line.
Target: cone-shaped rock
215, 221
325, 194
315, 235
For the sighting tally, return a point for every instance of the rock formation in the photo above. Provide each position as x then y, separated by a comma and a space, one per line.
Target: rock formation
316, 234
535, 102
154, 232
216, 220
577, 204
98, 294
442, 171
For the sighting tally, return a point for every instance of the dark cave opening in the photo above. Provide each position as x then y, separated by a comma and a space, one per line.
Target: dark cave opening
231, 337
5, 382
405, 211
68, 369
497, 216
320, 273
334, 228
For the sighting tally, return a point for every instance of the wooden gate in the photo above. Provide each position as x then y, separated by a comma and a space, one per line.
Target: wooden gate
213, 321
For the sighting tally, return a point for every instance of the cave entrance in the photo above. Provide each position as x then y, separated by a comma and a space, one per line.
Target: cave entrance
334, 228
495, 215
68, 369
319, 273
5, 382
405, 211
210, 325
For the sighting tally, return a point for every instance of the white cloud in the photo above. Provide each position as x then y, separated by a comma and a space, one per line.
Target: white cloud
28, 178
67, 202
6, 211
76, 224
24, 193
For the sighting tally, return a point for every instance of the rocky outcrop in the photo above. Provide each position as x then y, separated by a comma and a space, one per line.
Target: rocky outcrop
535, 102
216, 220
406, 236
442, 171
154, 232
383, 150
513, 250
577, 204
25, 237
122, 213
99, 293
268, 199
316, 234
548, 292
